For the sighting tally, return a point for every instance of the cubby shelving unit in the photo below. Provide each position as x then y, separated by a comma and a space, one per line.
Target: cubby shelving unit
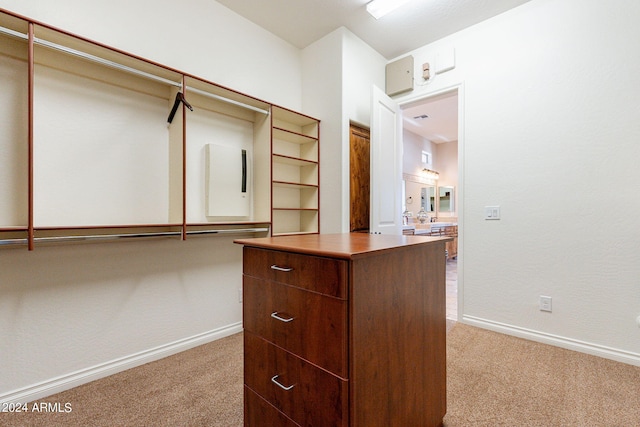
87, 153
14, 131
295, 173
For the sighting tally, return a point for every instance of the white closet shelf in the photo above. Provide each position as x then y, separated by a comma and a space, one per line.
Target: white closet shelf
295, 161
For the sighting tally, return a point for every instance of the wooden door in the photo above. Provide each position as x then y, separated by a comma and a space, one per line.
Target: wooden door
359, 184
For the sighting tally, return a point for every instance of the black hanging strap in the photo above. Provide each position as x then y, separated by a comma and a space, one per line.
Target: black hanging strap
176, 103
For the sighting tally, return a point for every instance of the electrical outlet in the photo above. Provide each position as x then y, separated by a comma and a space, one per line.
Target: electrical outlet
545, 303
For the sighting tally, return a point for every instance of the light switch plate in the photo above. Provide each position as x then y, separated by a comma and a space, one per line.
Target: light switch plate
492, 212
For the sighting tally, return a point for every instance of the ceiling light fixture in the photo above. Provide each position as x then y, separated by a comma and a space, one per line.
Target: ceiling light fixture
430, 174
379, 8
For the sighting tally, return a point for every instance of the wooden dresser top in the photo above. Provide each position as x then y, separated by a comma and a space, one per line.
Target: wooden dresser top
345, 245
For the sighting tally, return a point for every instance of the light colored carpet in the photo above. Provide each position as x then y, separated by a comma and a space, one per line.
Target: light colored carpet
498, 380
492, 380
198, 387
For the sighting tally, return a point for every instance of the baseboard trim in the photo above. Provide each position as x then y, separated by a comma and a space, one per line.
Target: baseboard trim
74, 379
556, 340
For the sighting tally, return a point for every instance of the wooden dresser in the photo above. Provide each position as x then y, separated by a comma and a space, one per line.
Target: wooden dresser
344, 330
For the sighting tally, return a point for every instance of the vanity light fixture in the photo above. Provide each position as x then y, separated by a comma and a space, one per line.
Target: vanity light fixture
379, 8
430, 174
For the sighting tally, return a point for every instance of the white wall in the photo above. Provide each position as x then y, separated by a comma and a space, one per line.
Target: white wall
322, 98
199, 37
339, 71
550, 125
71, 313
363, 67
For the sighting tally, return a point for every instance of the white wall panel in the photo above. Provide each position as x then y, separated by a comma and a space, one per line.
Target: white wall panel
207, 127
550, 129
101, 153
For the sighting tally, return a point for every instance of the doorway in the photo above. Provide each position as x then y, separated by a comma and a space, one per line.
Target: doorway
359, 183
436, 118
359, 138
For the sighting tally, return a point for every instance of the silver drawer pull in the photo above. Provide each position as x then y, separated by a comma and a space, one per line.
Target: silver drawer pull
285, 269
282, 319
274, 380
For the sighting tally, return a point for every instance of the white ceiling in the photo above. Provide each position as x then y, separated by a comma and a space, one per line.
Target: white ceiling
417, 23
441, 125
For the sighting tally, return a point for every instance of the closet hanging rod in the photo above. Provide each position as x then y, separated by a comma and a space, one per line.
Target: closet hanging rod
90, 57
105, 236
23, 241
131, 70
230, 231
106, 62
13, 33
9, 242
227, 100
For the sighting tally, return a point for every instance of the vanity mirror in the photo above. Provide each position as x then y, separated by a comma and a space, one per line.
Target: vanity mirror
416, 188
414, 191
445, 199
428, 198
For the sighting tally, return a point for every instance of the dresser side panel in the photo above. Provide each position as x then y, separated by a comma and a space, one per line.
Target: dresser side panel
397, 338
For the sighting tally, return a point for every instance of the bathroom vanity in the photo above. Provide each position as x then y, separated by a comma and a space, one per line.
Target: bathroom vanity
449, 229
344, 330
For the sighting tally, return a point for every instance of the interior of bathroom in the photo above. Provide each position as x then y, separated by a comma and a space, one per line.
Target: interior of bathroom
430, 178
430, 189
430, 183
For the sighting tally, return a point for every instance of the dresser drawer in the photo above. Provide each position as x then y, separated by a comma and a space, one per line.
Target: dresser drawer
324, 275
307, 394
259, 413
311, 325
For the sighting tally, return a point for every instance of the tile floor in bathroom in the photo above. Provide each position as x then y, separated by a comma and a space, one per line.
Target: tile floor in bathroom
452, 289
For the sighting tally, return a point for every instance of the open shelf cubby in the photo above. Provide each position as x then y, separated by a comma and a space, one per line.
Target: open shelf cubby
295, 173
